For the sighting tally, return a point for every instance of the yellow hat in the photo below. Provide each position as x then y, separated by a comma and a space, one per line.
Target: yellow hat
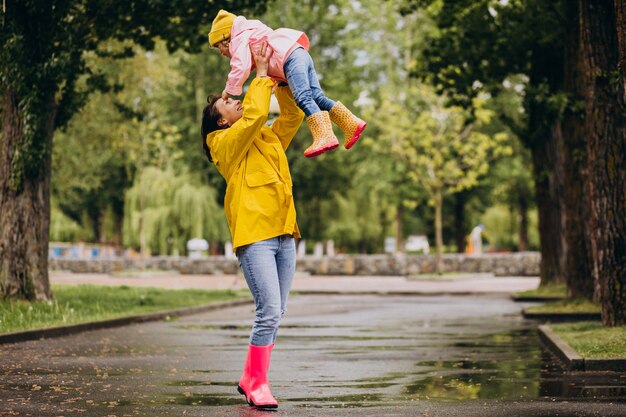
220, 29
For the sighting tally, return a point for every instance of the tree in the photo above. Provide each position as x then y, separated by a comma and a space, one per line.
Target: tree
165, 209
602, 36
579, 276
89, 173
42, 54
442, 148
482, 43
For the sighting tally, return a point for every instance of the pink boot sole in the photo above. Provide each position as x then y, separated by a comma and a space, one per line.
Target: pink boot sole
321, 150
356, 136
251, 403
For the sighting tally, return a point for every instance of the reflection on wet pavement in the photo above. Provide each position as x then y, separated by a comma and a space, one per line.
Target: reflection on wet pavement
332, 353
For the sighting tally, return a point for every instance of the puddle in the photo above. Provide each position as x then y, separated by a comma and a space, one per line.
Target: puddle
508, 365
505, 365
213, 400
341, 401
190, 383
478, 384
557, 382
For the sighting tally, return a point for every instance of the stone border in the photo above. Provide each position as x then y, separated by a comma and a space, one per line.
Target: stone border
535, 299
122, 321
398, 293
499, 264
572, 359
561, 317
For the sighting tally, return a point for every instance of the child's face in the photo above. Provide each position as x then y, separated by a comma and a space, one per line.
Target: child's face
223, 47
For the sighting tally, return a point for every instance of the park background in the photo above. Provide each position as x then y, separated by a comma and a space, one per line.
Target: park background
128, 170
506, 113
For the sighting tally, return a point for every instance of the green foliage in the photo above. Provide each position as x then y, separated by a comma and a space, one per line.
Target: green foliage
65, 229
89, 172
440, 148
358, 219
482, 43
501, 228
167, 210
42, 44
151, 122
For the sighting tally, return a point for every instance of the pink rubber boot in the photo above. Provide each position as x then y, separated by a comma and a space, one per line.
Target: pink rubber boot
253, 383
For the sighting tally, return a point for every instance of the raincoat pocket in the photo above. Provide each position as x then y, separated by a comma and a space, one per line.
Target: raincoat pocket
259, 178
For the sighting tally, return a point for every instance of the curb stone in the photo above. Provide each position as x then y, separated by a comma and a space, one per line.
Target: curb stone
535, 298
572, 359
396, 293
561, 317
117, 322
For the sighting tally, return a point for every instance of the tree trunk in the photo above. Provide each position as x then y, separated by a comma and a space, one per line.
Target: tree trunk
439, 231
546, 73
620, 19
578, 268
522, 227
117, 229
25, 219
547, 190
384, 229
399, 228
460, 233
605, 129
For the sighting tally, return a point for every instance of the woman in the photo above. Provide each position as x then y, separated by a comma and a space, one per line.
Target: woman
259, 208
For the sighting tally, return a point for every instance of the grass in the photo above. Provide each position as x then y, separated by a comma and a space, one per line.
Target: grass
550, 290
591, 340
566, 306
74, 304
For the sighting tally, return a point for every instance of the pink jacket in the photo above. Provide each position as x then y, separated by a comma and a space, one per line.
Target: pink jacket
252, 32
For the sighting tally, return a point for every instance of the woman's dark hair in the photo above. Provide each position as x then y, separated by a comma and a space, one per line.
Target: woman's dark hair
210, 116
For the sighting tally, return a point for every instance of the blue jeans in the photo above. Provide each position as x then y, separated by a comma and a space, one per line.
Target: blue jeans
304, 84
269, 267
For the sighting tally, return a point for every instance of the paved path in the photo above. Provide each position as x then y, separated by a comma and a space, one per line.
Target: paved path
340, 355
462, 284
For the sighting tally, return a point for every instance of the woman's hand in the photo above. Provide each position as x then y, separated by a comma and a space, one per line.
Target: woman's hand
262, 58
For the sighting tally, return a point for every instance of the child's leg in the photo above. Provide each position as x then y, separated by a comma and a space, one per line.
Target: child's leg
297, 72
298, 68
351, 125
322, 101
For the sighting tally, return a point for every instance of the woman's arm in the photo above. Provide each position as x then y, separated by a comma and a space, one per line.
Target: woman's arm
290, 119
233, 144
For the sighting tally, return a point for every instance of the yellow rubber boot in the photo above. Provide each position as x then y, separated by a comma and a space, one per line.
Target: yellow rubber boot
351, 125
324, 138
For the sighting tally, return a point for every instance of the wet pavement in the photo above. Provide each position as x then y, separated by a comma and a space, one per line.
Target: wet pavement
339, 355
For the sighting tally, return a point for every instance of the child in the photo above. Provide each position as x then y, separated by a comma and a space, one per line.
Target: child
290, 62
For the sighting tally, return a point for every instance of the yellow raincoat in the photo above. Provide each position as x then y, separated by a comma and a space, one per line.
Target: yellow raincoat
251, 157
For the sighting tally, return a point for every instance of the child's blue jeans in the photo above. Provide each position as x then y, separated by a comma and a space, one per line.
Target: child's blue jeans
303, 82
269, 267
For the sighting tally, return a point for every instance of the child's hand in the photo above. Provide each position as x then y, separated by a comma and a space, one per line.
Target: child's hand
225, 95
262, 58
